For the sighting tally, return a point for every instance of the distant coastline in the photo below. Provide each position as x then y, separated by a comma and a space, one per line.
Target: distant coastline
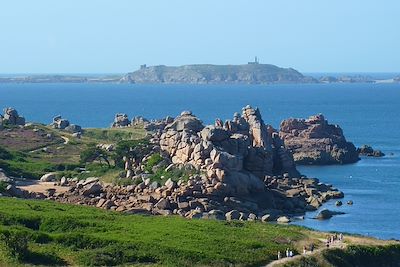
251, 73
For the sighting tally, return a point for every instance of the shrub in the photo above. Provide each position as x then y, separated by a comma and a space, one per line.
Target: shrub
5, 154
15, 243
3, 186
153, 161
93, 153
130, 148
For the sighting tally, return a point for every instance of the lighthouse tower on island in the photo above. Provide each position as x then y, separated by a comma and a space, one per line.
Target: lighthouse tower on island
255, 62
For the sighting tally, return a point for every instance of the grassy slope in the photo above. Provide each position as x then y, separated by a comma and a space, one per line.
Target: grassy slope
61, 234
84, 236
31, 161
353, 256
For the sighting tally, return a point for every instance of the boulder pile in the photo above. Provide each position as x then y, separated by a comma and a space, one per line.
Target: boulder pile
239, 153
198, 197
315, 141
11, 117
122, 120
64, 124
366, 150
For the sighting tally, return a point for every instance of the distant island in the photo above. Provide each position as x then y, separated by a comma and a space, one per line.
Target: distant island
251, 73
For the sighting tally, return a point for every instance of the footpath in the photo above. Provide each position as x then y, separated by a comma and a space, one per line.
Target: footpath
335, 244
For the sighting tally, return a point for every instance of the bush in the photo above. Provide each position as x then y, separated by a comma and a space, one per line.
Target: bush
93, 153
364, 256
15, 243
5, 154
3, 186
131, 149
153, 161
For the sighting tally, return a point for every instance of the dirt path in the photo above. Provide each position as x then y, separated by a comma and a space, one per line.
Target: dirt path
66, 140
276, 263
40, 187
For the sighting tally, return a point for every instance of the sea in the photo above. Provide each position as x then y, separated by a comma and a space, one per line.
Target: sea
368, 114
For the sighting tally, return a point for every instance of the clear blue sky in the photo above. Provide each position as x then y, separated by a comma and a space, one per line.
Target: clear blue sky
104, 36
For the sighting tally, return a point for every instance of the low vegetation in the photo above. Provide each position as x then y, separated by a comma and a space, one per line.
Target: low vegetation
352, 256
35, 232
56, 234
39, 149
115, 134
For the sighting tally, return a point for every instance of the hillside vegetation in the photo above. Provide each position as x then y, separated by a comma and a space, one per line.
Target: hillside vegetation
77, 235
50, 233
30, 152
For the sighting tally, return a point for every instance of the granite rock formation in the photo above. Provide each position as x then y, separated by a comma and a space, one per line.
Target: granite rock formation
121, 120
366, 150
11, 117
315, 141
64, 124
233, 170
239, 152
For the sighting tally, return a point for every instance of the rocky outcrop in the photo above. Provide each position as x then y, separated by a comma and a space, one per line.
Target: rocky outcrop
239, 152
121, 120
239, 169
64, 124
366, 150
327, 214
197, 197
315, 141
250, 73
11, 117
4, 178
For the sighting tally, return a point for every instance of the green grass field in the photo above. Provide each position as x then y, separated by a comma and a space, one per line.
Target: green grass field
37, 232
77, 235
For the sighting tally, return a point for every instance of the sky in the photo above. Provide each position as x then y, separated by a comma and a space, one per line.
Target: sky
104, 36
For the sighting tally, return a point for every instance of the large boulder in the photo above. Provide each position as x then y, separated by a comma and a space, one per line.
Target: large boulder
11, 117
327, 214
315, 141
121, 120
186, 121
92, 189
4, 178
59, 123
73, 128
48, 177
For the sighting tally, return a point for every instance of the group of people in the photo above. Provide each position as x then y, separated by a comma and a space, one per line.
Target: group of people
330, 239
311, 249
289, 254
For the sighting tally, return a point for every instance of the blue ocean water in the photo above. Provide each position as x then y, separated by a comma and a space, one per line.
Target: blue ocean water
367, 113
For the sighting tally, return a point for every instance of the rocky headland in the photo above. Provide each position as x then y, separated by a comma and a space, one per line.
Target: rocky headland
315, 141
237, 169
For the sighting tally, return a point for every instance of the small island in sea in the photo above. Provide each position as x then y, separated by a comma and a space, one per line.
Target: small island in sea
251, 73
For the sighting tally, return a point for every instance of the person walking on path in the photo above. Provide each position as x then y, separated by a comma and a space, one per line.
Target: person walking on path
279, 255
304, 250
287, 253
